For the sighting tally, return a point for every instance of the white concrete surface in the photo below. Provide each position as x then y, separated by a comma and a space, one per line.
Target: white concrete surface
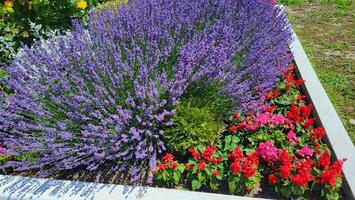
24, 188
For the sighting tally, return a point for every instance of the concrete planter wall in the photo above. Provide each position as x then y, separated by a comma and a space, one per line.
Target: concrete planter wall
16, 187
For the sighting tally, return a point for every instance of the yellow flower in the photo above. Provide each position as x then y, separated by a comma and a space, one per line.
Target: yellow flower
81, 4
9, 4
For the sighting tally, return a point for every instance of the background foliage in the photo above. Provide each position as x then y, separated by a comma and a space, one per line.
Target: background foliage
22, 21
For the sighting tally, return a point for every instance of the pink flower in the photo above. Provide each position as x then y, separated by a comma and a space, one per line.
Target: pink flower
267, 152
277, 120
251, 127
263, 118
305, 151
291, 137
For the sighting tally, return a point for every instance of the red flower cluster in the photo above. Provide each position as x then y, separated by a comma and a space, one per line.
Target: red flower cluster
194, 153
299, 114
233, 128
309, 123
285, 168
201, 165
272, 94
207, 156
304, 175
167, 163
290, 79
318, 133
168, 157
330, 175
215, 173
273, 179
247, 165
301, 171
323, 160
270, 109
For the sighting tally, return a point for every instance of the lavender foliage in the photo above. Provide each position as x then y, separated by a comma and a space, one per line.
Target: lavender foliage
102, 96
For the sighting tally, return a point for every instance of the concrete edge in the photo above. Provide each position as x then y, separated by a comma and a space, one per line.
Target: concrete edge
337, 137
25, 188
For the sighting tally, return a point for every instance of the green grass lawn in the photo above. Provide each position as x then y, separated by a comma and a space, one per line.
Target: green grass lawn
326, 30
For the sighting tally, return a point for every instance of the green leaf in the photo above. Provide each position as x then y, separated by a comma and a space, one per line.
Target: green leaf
231, 185
195, 185
235, 139
181, 167
165, 176
176, 177
214, 184
201, 177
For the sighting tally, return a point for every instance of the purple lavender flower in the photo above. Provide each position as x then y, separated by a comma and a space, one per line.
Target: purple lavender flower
105, 94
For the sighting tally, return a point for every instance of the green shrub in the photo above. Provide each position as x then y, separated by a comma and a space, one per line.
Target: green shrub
203, 95
193, 126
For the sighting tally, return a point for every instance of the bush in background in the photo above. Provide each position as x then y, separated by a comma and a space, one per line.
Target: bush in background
23, 21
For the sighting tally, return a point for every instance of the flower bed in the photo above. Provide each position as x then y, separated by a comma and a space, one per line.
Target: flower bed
106, 104
279, 144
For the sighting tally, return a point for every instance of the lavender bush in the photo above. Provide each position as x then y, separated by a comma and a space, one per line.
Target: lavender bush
101, 98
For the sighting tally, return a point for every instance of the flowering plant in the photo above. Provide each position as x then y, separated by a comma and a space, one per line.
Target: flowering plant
211, 167
283, 146
168, 171
102, 97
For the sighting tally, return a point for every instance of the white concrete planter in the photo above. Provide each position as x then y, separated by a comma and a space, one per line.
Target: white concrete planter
16, 187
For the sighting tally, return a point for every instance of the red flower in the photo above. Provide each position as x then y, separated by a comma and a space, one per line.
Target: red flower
285, 171
317, 151
316, 144
233, 128
323, 160
284, 157
236, 117
187, 166
236, 155
288, 85
272, 94
215, 173
305, 166
270, 109
318, 133
201, 165
208, 153
194, 153
168, 157
236, 167
249, 171
299, 114
301, 98
330, 175
302, 179
309, 123
273, 179
290, 80
162, 166
219, 159
173, 165
216, 161
252, 159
